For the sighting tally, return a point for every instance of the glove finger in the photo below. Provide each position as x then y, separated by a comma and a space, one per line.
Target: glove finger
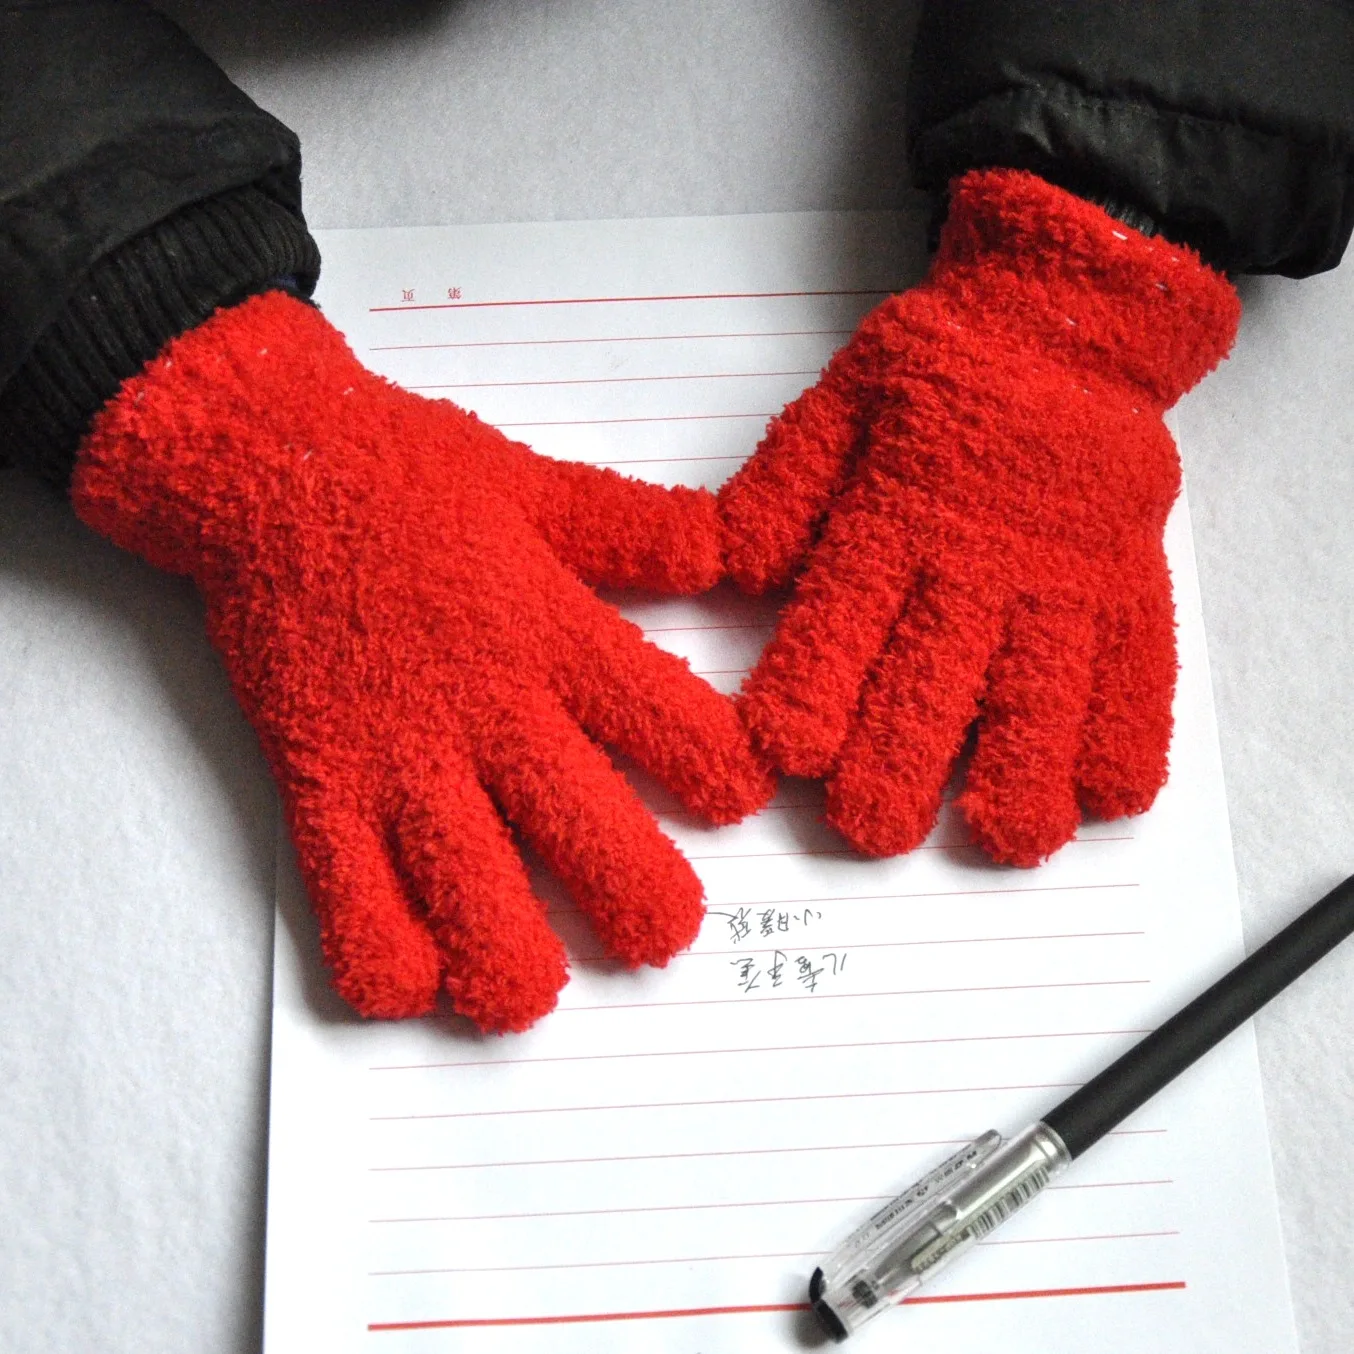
1020, 794
649, 705
802, 696
772, 506
922, 696
383, 959
575, 808
504, 964
1127, 741
617, 532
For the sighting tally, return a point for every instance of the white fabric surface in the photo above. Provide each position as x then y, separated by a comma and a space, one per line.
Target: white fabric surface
137, 820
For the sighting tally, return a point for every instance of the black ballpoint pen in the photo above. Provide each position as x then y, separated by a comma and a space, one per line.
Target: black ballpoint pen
915, 1236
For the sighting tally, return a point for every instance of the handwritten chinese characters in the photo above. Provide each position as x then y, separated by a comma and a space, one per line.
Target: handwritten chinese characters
784, 969
765, 923
768, 971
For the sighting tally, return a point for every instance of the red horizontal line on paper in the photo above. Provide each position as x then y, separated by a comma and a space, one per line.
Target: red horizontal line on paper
610, 380
1099, 1290
769, 1048
1174, 1285
595, 1264
591, 1316
672, 1156
687, 1208
905, 897
729, 1152
725, 1259
725, 1100
854, 996
685, 816
903, 944
1113, 1184
656, 1208
624, 300
608, 964
613, 338
1055, 1240
847, 851
941, 893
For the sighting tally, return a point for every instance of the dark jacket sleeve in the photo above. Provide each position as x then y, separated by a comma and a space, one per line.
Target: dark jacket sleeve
139, 190
1230, 123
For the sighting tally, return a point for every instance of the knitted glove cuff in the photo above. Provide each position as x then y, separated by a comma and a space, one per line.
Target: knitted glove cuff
158, 285
1061, 273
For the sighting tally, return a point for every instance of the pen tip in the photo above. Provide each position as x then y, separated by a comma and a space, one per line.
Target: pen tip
832, 1323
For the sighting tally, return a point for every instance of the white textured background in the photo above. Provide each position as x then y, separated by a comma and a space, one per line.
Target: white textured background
136, 819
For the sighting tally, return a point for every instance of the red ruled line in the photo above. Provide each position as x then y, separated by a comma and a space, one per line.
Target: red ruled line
614, 338
767, 1048
764, 903
717, 1259
1100, 1290
730, 1152
591, 1316
817, 805
624, 300
657, 1208
1107, 1236
1173, 1286
670, 1156
730, 1100
898, 944
688, 1208
1114, 1184
610, 380
850, 996
720, 1259
594, 1264
847, 851
609, 964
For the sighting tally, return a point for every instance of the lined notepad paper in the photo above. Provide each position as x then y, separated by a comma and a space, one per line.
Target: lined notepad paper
661, 1163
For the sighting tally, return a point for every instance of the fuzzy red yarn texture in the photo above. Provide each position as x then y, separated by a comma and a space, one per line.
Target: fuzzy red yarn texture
971, 503
398, 593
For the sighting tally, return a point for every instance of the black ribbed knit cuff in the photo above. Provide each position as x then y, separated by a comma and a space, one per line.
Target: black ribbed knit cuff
160, 284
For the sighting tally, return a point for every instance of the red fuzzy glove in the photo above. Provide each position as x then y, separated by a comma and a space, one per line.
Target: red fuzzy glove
395, 590
975, 491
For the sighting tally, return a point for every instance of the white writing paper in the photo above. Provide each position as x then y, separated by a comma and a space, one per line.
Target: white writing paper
661, 1163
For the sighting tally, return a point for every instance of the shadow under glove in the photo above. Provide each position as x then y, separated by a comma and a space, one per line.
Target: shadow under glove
973, 498
397, 592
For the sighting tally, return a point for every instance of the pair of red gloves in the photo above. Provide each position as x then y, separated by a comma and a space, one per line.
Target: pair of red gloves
970, 504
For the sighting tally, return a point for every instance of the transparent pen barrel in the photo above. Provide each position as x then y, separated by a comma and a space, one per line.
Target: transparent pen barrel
909, 1241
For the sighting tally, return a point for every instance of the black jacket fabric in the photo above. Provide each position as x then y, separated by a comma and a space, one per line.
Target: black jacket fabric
1228, 122
139, 189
